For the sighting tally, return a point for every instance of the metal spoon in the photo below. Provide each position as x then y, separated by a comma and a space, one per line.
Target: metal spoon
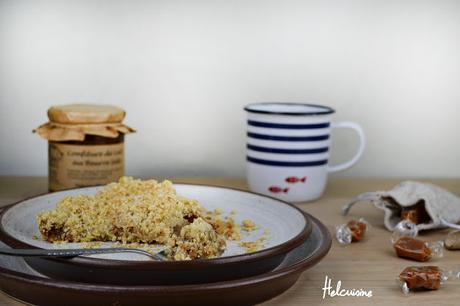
160, 256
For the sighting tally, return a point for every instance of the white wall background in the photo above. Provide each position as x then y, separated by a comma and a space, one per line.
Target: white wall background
184, 69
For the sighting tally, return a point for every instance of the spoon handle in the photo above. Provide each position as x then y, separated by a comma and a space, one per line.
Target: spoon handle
75, 252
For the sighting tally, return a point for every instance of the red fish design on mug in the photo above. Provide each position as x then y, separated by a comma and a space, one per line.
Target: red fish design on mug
276, 189
295, 179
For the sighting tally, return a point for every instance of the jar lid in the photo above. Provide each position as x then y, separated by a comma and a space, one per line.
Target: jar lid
75, 121
85, 114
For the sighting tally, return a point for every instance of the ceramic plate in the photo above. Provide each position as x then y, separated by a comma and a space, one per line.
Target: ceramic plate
20, 281
286, 224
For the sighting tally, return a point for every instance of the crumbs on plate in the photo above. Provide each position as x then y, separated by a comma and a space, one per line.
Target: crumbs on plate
248, 225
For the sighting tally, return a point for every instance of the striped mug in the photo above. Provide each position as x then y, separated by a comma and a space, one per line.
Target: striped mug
288, 149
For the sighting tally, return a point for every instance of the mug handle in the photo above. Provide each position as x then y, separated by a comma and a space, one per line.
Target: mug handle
362, 142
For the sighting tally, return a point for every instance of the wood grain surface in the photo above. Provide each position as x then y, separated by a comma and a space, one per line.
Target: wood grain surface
371, 264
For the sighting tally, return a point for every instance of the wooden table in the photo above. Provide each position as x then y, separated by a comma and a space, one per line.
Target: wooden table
370, 265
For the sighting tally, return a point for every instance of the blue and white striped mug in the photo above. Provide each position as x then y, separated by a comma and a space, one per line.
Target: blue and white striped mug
288, 149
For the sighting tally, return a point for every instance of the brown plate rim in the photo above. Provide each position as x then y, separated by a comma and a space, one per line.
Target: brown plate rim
202, 288
168, 265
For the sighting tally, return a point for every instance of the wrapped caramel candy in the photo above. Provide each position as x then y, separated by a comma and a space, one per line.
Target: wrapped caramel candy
404, 228
415, 249
411, 215
424, 278
353, 231
428, 277
416, 213
452, 241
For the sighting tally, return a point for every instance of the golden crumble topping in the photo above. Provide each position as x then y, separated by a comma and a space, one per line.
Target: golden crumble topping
133, 212
248, 225
198, 240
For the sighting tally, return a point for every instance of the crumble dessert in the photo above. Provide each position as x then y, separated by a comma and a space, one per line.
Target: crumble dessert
134, 212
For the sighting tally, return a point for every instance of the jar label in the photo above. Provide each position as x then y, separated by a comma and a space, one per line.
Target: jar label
73, 166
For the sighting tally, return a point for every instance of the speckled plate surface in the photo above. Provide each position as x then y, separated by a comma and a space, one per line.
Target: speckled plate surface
20, 281
287, 225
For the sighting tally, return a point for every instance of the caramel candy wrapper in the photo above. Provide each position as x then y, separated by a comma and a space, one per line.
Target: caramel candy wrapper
427, 277
408, 247
357, 229
405, 228
353, 231
415, 249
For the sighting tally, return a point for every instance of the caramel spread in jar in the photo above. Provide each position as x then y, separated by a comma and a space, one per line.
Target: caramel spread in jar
85, 145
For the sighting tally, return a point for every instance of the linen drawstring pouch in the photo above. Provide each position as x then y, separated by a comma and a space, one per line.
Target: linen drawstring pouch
441, 207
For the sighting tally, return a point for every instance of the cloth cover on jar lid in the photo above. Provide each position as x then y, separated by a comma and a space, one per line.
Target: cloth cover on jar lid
75, 121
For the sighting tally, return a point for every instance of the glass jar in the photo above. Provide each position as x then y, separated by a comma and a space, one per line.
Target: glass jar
85, 145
